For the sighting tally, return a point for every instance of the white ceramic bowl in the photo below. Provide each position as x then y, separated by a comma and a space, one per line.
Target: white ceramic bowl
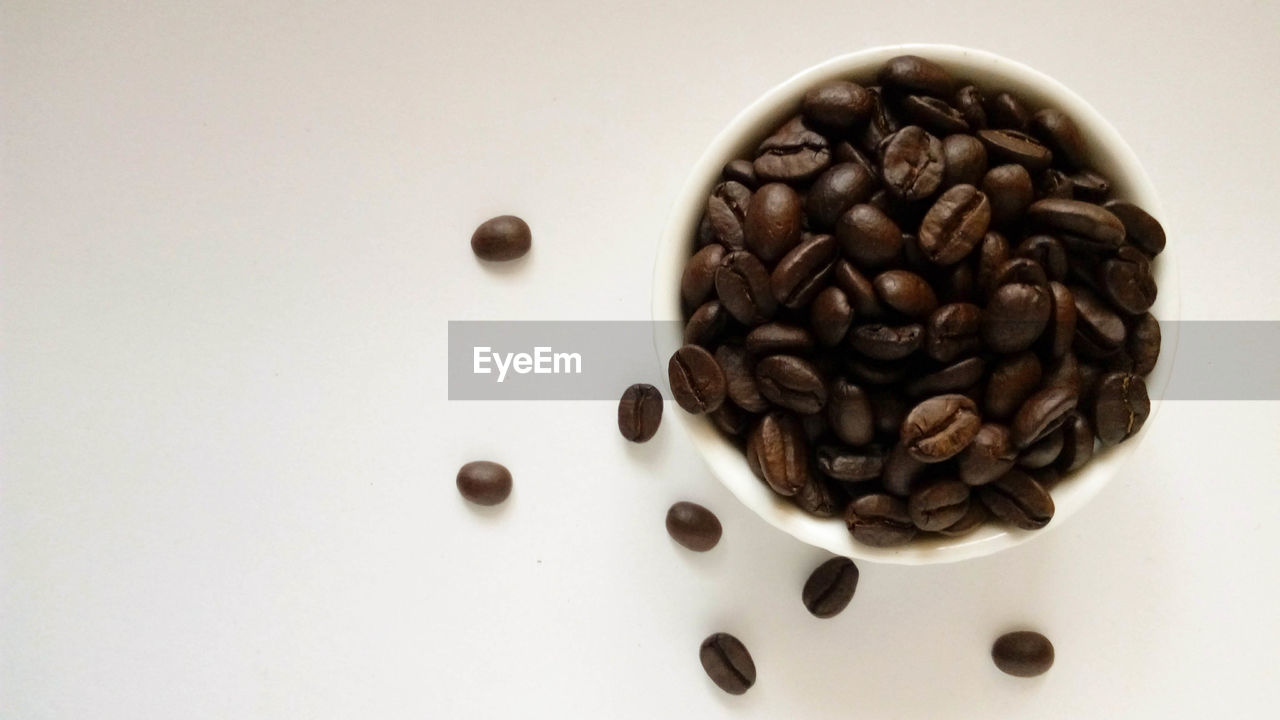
1109, 155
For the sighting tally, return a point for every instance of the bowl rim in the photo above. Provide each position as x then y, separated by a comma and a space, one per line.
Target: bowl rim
1112, 155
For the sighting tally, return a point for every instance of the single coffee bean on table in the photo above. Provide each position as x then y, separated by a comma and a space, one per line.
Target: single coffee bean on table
640, 412
505, 237
693, 526
728, 663
918, 303
484, 482
1024, 653
830, 587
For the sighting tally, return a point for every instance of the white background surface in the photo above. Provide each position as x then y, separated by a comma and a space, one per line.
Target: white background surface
230, 240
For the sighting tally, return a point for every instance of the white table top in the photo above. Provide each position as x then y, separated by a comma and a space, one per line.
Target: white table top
230, 240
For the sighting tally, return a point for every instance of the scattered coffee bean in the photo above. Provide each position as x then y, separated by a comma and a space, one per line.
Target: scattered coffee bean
830, 587
1023, 653
484, 483
640, 412
727, 663
505, 237
693, 526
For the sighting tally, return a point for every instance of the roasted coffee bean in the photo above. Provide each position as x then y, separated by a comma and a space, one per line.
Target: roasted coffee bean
1042, 413
972, 519
1020, 270
1023, 653
1057, 130
802, 273
1061, 330
849, 413
952, 331
906, 292
1140, 228
731, 419
1064, 371
484, 483
938, 504
992, 253
868, 236
954, 225
743, 286
697, 383
741, 171
913, 163
1013, 380
879, 520
933, 114
1077, 442
838, 105
740, 378
1047, 252
791, 382
1121, 406
1144, 344
505, 237
704, 231
639, 412
940, 427
879, 126
1006, 111
900, 471
1126, 281
954, 378
1042, 452
727, 663
772, 224
850, 465
971, 104
1009, 190
989, 456
1014, 146
889, 408
773, 338
779, 449
830, 587
1054, 183
706, 324
859, 290
965, 159
912, 73
1099, 331
1090, 185
835, 191
830, 316
726, 211
794, 153
1015, 316
886, 342
1077, 218
1017, 499
820, 498
693, 526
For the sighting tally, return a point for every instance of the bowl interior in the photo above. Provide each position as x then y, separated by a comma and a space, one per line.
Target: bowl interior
1109, 154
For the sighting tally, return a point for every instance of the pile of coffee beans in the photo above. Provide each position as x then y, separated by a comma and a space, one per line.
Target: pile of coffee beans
918, 305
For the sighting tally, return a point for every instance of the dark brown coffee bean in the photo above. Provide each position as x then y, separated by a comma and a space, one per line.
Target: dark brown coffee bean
639, 412
505, 237
849, 413
938, 504
1077, 442
972, 519
1047, 252
1009, 190
732, 420
913, 163
830, 316
743, 286
1121, 406
778, 448
1015, 316
1013, 146
965, 159
1042, 452
1090, 185
868, 236
953, 378
1013, 380
740, 378
1061, 331
886, 342
912, 73
906, 292
699, 279
794, 153
693, 526
837, 104
900, 471
820, 497
1017, 499
773, 338
835, 191
484, 483
727, 663
1054, 183
1144, 344
706, 324
1023, 653
1020, 270
1042, 413
1099, 331
1126, 281
1006, 111
791, 382
933, 114
1140, 228
879, 126
772, 224
952, 331
804, 271
940, 427
1057, 130
697, 383
954, 225
850, 465
741, 171
726, 212
830, 587
859, 290
879, 520
992, 254
989, 456
1064, 371
1077, 218
971, 104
